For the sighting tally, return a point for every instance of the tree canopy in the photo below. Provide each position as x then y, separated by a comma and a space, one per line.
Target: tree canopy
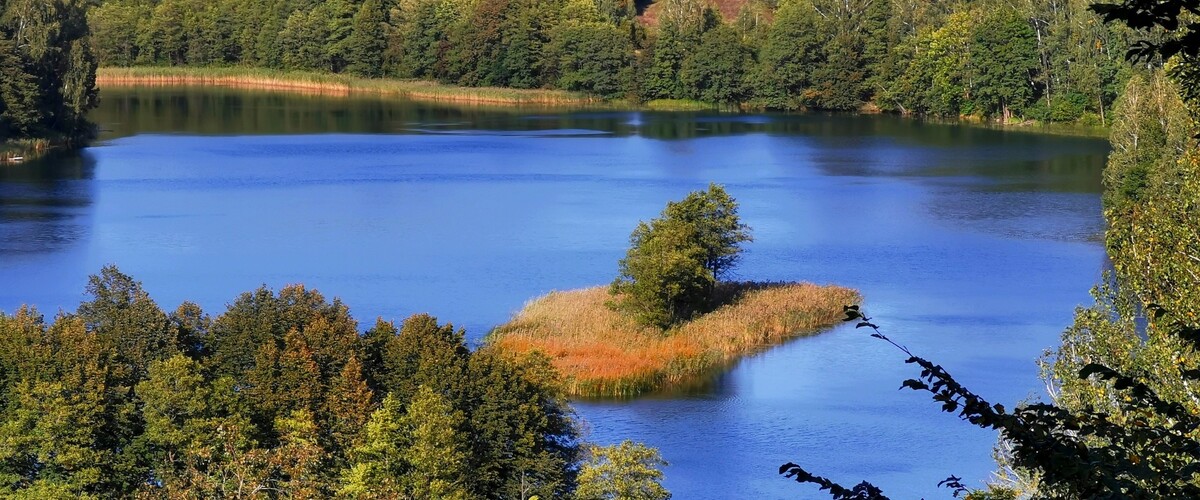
1122, 414
47, 70
278, 396
995, 60
674, 261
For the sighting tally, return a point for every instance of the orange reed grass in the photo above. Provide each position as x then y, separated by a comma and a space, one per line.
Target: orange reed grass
602, 353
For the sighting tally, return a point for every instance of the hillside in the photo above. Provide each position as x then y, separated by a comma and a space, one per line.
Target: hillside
728, 8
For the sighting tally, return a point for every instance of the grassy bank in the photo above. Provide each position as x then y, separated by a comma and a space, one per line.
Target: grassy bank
602, 353
331, 84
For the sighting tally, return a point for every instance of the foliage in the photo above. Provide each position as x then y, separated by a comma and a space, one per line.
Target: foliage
593, 57
47, 70
622, 471
1046, 60
715, 72
437, 451
1122, 420
671, 269
278, 396
663, 280
720, 232
1003, 55
1076, 453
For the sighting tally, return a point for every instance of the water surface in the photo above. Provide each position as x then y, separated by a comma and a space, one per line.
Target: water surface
971, 246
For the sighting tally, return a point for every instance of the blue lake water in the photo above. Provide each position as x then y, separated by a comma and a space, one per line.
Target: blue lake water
972, 247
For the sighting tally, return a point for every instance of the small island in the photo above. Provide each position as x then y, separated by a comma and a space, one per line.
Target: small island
669, 319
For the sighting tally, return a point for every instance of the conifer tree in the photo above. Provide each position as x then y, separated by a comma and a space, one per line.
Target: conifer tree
378, 462
436, 455
348, 406
365, 46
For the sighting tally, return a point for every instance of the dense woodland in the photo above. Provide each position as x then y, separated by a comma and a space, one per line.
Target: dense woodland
278, 396
47, 70
1051, 60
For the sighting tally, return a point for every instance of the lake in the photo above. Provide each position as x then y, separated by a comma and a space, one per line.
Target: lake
972, 247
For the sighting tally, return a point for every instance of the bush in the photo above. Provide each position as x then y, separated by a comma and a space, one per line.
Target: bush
673, 263
663, 279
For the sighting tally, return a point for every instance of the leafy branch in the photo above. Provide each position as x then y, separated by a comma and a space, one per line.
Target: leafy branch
1077, 454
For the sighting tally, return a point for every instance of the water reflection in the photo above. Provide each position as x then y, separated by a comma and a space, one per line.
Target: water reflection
228, 111
44, 203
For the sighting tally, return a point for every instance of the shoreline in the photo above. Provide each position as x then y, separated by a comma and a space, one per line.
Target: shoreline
16, 152
336, 85
339, 86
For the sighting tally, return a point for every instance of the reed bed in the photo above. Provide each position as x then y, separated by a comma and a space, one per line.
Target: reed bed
330, 84
602, 353
18, 150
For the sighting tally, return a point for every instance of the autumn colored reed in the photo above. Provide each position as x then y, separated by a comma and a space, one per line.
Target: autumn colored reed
602, 353
330, 84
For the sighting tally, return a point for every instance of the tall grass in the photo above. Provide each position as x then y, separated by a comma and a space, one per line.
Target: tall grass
25, 149
325, 83
602, 353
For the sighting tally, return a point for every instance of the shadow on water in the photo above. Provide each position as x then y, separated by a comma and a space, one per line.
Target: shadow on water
43, 203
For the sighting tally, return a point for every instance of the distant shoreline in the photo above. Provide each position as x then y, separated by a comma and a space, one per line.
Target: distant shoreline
327, 84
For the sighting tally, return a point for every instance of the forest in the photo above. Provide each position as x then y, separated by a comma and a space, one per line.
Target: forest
1052, 60
281, 396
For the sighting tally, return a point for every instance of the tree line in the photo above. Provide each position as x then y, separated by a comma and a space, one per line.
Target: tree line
1052, 60
280, 396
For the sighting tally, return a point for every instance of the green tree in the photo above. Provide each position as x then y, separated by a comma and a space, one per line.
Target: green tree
128, 322
593, 57
681, 26
364, 54
1149, 135
1004, 56
302, 40
673, 263
424, 353
176, 409
937, 79
20, 96
523, 439
337, 16
788, 56
715, 71
46, 43
58, 426
627, 470
299, 459
378, 461
437, 451
662, 279
347, 407
719, 229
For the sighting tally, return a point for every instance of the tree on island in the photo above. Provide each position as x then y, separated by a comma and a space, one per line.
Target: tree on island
673, 264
